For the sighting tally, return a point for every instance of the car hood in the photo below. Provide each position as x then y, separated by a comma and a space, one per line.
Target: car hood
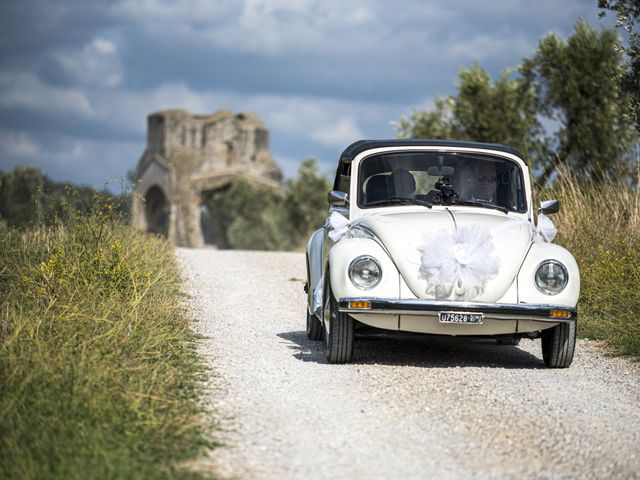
407, 237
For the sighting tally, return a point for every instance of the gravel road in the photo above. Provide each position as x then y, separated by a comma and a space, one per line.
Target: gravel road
409, 406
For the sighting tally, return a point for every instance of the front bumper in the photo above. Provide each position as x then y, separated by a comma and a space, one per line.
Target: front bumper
498, 311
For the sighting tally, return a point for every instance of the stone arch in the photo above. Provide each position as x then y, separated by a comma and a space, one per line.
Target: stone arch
189, 156
157, 211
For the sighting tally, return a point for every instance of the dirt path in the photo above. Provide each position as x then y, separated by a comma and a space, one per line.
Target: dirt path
408, 406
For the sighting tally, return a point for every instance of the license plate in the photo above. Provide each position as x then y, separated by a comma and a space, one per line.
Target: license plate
460, 317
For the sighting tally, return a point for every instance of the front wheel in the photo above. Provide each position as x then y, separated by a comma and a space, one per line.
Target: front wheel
338, 333
558, 345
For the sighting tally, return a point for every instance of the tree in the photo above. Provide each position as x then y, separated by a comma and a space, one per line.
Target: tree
20, 192
503, 111
249, 216
628, 15
578, 85
306, 200
436, 123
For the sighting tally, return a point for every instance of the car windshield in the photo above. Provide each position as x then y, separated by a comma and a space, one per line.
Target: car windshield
441, 178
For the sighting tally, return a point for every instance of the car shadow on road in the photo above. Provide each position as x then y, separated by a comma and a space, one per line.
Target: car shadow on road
399, 348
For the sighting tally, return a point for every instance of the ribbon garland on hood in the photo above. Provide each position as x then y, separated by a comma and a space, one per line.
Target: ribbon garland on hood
459, 262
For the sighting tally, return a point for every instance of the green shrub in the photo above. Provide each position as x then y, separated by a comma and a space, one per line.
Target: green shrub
600, 224
249, 216
98, 373
255, 217
306, 201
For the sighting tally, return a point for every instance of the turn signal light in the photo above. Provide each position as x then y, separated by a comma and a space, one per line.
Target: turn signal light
560, 313
360, 305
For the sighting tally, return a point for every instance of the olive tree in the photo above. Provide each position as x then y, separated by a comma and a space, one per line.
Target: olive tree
578, 86
628, 14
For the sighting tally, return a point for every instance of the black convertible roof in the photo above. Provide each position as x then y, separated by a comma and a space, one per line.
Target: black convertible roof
362, 145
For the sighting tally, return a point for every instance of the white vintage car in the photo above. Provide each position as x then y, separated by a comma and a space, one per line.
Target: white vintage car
438, 237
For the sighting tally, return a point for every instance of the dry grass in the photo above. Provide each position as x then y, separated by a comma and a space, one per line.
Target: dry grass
600, 225
98, 373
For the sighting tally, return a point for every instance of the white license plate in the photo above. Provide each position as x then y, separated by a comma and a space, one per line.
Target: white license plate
460, 317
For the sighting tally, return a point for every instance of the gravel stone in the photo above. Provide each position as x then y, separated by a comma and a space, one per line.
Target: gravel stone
409, 406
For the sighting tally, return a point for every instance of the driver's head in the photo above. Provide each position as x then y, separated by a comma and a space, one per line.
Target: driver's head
403, 183
486, 181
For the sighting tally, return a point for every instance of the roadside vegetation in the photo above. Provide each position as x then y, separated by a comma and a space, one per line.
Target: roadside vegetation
600, 224
99, 377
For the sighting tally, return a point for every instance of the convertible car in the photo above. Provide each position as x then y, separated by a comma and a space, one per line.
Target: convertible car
438, 237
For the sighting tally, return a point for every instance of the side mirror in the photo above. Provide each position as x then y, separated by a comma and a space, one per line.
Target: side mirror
338, 198
549, 206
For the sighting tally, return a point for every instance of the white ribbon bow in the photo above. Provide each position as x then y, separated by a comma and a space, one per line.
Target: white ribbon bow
545, 228
339, 226
461, 261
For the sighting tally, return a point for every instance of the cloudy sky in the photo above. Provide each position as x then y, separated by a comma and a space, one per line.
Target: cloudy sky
78, 78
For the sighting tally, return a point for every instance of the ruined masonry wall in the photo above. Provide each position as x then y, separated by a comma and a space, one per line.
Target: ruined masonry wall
188, 154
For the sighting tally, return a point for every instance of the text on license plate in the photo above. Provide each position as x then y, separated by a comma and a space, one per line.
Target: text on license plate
459, 317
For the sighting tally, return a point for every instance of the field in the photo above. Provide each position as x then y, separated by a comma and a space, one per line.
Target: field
98, 373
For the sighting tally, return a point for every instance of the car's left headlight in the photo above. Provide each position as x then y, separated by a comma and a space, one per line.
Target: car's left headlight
365, 272
551, 277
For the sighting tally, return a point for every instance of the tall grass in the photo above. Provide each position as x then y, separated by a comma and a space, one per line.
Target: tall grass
600, 224
98, 373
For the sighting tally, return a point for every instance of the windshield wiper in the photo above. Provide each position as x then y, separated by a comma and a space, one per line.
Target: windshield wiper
400, 201
478, 203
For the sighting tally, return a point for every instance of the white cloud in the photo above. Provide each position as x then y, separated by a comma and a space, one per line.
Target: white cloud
26, 90
288, 165
270, 27
96, 63
338, 134
150, 12
484, 46
325, 120
24, 147
18, 145
96, 162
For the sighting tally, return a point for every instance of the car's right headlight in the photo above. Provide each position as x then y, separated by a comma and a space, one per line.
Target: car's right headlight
365, 272
551, 277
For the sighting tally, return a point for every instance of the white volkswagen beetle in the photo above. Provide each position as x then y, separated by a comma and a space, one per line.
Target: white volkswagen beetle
438, 237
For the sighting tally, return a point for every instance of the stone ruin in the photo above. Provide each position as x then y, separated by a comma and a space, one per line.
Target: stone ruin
190, 157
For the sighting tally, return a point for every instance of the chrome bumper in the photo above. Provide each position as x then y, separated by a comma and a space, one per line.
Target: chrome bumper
498, 311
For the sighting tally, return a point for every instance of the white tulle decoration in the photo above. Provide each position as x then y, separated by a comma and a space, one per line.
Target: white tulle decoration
546, 228
339, 226
459, 262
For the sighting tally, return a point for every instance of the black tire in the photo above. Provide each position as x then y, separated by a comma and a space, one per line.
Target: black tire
558, 345
314, 327
338, 334
508, 341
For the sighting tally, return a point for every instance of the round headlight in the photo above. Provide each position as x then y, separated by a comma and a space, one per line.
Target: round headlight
365, 272
551, 277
